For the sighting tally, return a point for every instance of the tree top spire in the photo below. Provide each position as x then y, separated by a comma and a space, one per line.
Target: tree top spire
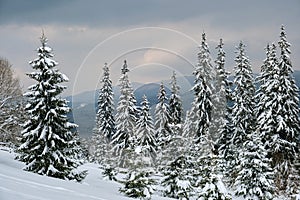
43, 38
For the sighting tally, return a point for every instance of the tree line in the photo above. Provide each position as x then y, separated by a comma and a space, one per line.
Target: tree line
237, 139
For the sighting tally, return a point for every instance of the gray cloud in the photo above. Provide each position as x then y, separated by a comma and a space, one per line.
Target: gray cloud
75, 27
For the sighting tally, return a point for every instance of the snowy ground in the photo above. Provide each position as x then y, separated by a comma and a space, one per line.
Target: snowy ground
16, 184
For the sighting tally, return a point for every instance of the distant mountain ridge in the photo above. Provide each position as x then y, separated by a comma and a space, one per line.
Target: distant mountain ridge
84, 104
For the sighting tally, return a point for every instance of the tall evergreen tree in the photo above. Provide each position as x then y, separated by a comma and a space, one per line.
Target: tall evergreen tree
205, 65
220, 94
145, 131
243, 108
278, 116
196, 129
162, 118
198, 118
224, 123
126, 118
175, 102
254, 173
47, 140
105, 123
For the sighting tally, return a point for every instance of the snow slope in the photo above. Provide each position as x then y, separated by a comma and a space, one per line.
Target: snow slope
16, 184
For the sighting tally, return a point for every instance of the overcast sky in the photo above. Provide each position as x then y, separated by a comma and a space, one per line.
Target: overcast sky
156, 37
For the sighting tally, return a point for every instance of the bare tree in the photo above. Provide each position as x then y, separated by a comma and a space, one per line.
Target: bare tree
10, 104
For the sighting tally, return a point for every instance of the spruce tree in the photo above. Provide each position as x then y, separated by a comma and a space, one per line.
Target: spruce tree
243, 108
254, 174
176, 177
47, 139
278, 116
210, 185
139, 182
105, 123
162, 118
224, 128
220, 94
199, 117
145, 130
204, 64
175, 102
126, 118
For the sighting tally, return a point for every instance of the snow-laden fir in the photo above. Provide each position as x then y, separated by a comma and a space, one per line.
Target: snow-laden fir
48, 143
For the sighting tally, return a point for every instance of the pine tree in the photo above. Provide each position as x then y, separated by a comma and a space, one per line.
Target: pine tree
254, 174
210, 185
224, 128
139, 182
204, 64
176, 180
47, 140
105, 123
199, 117
105, 120
175, 102
145, 131
177, 168
278, 116
220, 94
162, 118
265, 94
126, 118
243, 108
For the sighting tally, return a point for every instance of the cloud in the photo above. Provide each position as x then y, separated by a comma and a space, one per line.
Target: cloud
86, 34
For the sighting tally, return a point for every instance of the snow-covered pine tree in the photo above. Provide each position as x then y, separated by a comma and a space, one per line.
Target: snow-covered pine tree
177, 167
204, 64
175, 102
219, 99
139, 182
254, 174
176, 178
145, 131
162, 118
220, 94
196, 130
210, 185
47, 139
223, 88
278, 116
265, 95
105, 123
199, 117
243, 108
125, 119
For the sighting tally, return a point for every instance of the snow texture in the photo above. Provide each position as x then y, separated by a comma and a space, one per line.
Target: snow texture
16, 184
